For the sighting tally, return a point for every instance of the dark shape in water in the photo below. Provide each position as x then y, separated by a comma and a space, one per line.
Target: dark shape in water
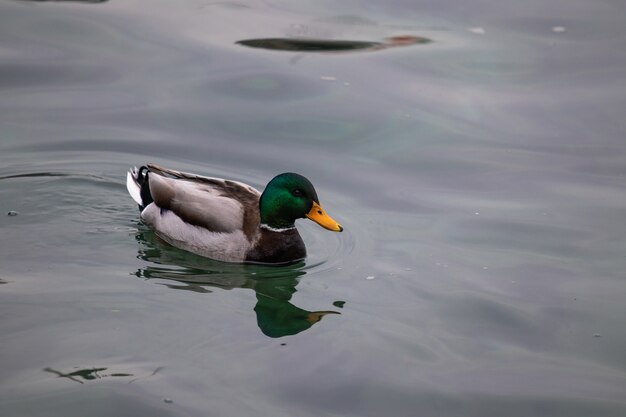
86, 374
329, 45
307, 45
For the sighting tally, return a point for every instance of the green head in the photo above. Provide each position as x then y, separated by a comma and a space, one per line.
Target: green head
288, 197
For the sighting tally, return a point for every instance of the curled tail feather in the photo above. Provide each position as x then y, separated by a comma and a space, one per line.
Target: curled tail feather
138, 186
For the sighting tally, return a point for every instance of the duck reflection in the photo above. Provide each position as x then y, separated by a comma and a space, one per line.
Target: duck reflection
273, 286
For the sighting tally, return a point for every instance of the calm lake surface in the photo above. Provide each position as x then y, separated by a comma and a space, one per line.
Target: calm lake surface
475, 153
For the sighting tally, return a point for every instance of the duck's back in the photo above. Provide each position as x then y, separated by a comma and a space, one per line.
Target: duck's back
211, 217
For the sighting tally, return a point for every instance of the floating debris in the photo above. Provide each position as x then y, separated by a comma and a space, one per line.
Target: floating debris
12, 213
597, 335
558, 29
168, 400
328, 78
88, 374
370, 277
339, 304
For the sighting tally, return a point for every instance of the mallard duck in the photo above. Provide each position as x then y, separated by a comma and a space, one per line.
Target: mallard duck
227, 220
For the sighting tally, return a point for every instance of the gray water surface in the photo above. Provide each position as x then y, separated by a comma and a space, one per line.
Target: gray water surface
480, 177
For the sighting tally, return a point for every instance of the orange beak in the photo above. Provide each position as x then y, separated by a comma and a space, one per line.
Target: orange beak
319, 216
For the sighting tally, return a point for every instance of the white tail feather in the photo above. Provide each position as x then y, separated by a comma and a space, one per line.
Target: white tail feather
133, 187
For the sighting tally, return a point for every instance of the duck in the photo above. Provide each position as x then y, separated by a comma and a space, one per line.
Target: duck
227, 220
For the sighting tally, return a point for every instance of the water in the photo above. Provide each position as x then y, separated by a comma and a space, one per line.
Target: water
479, 175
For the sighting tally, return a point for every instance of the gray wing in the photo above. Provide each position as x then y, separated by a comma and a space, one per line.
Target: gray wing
212, 203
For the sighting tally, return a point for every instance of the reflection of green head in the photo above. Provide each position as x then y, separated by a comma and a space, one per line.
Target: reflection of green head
278, 318
286, 198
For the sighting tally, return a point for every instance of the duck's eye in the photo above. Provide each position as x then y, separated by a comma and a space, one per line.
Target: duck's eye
297, 192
